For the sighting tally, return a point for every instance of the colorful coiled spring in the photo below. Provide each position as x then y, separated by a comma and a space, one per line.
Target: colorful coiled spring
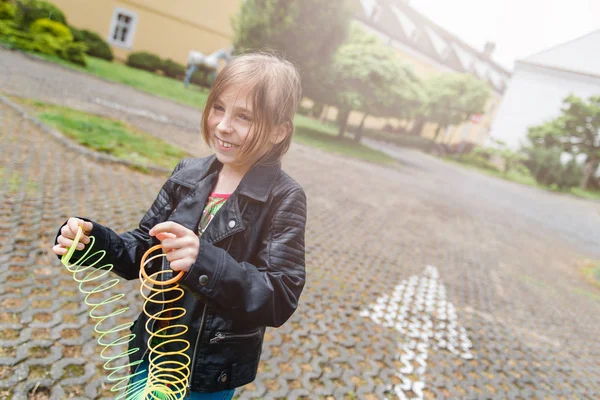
169, 372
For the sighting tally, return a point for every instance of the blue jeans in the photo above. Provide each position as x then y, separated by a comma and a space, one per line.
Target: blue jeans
222, 395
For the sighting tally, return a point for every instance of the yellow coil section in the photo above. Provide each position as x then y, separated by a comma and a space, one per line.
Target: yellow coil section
169, 371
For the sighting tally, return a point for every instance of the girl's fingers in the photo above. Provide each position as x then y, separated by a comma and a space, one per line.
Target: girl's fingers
169, 244
73, 225
59, 250
169, 226
176, 255
87, 227
63, 241
181, 265
165, 235
66, 232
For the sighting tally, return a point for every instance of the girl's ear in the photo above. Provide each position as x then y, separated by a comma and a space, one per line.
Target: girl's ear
281, 132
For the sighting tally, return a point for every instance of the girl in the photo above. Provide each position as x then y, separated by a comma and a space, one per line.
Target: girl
233, 222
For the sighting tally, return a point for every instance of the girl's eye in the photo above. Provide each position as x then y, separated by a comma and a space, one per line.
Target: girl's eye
245, 117
217, 107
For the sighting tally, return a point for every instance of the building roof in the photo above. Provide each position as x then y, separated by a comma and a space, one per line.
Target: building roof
580, 55
396, 19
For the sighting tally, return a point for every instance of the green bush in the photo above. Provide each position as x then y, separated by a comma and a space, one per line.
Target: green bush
8, 11
28, 11
15, 38
44, 36
7, 27
47, 44
521, 169
477, 160
77, 34
173, 69
572, 174
50, 27
54, 38
547, 169
74, 52
144, 60
96, 46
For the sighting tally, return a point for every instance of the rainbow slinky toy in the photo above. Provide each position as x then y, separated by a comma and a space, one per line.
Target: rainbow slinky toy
168, 376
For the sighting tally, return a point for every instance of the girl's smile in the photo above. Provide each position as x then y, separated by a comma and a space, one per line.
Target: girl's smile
225, 146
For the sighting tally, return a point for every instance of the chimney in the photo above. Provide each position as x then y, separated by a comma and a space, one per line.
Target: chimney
489, 48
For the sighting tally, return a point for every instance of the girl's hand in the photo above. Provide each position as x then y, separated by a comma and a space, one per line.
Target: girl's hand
67, 234
180, 244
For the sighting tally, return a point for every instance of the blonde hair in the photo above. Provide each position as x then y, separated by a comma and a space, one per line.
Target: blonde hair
275, 89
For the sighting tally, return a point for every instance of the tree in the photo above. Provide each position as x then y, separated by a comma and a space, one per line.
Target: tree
452, 99
576, 131
399, 96
547, 169
368, 76
306, 32
549, 134
511, 158
582, 123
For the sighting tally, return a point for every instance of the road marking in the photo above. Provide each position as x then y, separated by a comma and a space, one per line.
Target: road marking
419, 311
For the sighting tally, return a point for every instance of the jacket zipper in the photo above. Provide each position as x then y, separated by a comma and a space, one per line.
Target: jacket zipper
189, 386
220, 336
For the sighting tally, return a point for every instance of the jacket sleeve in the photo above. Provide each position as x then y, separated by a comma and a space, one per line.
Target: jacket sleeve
125, 251
267, 291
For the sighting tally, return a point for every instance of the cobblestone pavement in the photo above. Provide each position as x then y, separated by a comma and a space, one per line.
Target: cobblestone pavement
424, 280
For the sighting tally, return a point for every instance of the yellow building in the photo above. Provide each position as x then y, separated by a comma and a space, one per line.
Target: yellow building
169, 29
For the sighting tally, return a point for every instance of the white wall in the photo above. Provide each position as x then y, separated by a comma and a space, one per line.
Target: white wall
534, 96
579, 55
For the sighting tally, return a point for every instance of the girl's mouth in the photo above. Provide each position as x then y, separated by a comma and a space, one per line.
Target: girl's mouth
225, 145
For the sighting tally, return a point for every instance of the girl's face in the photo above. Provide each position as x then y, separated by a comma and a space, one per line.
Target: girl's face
230, 124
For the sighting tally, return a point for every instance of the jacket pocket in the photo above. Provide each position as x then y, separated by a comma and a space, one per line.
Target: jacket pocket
224, 337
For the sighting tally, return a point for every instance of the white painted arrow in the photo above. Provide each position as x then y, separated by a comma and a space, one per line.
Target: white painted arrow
418, 309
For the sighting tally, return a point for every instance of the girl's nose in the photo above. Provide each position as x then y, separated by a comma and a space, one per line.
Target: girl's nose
225, 125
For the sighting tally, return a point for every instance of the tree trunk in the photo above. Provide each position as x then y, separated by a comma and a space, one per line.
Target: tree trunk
590, 169
359, 132
316, 110
437, 132
417, 127
342, 122
323, 116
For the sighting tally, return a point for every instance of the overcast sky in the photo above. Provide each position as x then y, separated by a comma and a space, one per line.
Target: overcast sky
518, 27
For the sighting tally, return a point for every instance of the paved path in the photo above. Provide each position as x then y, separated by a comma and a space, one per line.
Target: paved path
424, 280
575, 220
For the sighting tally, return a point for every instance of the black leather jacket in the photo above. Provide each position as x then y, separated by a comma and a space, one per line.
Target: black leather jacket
248, 275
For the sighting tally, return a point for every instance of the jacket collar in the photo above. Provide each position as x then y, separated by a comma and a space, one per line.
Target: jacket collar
256, 184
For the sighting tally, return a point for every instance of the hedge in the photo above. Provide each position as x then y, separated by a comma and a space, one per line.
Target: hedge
96, 46
144, 60
173, 69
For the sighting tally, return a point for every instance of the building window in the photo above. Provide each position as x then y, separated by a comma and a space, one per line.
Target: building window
122, 28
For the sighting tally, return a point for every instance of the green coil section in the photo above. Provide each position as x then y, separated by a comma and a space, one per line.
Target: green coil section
168, 373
